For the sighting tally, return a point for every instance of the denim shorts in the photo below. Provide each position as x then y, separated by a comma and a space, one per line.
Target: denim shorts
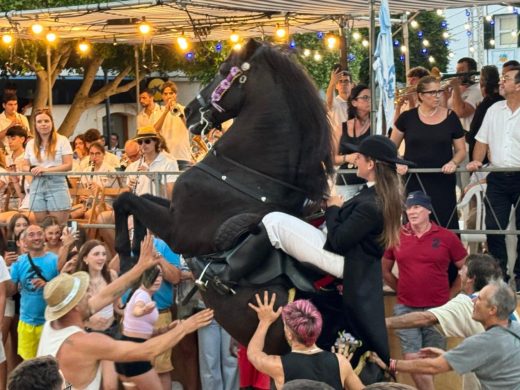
49, 193
412, 340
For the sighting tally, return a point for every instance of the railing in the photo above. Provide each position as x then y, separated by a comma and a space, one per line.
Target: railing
156, 179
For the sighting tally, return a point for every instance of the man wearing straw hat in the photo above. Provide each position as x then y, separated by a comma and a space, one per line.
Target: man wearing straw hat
79, 353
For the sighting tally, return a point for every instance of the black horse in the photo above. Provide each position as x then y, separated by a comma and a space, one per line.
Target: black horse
276, 156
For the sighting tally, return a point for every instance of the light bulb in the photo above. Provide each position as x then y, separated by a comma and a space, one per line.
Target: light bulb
331, 42
234, 37
183, 43
37, 28
51, 37
356, 35
84, 46
414, 24
317, 57
7, 39
306, 52
144, 28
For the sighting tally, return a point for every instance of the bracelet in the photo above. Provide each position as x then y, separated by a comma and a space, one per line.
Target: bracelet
344, 158
392, 368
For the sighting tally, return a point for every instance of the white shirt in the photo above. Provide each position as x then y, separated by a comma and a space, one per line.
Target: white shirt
177, 136
110, 160
63, 148
500, 130
473, 96
5, 122
339, 111
161, 163
102, 181
4, 272
143, 119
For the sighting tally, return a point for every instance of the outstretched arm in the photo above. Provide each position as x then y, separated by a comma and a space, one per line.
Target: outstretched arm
418, 319
268, 364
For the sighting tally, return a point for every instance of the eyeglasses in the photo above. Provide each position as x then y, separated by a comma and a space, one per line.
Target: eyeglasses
506, 78
437, 92
366, 98
146, 141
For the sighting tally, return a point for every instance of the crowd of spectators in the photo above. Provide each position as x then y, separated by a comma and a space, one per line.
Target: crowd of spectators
64, 282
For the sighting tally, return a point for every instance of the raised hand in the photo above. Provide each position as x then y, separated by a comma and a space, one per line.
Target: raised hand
265, 308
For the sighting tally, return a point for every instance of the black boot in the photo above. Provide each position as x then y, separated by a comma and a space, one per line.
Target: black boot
248, 255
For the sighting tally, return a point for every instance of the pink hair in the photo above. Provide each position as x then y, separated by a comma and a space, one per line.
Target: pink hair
303, 320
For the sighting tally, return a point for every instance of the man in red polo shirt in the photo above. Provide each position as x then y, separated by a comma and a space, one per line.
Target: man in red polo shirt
423, 257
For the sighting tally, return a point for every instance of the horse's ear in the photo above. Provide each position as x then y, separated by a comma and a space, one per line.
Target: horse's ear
250, 48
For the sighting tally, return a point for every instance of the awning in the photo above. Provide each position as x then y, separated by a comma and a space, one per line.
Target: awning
205, 19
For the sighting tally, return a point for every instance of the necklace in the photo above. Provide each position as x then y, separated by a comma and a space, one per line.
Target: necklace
307, 351
430, 114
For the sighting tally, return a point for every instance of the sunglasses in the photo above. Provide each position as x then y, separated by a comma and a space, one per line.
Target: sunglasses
437, 92
147, 141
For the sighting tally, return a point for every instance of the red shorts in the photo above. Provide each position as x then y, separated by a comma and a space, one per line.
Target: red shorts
250, 376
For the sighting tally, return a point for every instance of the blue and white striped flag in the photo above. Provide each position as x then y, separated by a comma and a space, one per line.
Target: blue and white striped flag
384, 69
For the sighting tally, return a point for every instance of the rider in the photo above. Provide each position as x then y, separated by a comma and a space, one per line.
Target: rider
357, 230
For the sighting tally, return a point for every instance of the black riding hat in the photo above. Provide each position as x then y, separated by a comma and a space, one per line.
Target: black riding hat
380, 148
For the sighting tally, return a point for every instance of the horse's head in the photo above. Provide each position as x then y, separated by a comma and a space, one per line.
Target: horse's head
222, 98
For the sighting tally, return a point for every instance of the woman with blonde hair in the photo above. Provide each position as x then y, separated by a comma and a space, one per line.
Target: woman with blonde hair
48, 152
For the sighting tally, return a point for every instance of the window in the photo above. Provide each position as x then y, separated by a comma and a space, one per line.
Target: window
506, 29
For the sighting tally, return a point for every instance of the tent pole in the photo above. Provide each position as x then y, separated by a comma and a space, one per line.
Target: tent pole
137, 91
372, 37
49, 75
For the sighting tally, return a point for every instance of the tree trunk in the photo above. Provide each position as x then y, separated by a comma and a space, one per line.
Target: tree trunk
84, 100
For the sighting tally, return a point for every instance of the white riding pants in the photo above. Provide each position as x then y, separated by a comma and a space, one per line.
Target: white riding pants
302, 241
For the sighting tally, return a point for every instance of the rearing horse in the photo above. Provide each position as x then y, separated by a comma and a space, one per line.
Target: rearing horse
276, 156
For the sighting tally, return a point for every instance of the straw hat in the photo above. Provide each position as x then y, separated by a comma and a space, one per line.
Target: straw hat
63, 293
146, 132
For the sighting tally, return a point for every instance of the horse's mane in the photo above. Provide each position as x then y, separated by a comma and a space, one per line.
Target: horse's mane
308, 111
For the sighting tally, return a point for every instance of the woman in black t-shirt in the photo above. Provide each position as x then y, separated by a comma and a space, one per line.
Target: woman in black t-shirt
434, 138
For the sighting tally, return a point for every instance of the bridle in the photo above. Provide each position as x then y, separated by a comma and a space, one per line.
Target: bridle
236, 72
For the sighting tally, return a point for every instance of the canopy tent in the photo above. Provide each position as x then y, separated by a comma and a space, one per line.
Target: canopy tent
205, 19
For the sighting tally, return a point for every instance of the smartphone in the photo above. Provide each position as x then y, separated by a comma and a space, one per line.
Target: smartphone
73, 225
11, 246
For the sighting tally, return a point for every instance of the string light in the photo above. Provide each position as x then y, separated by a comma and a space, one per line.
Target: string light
319, 35
356, 36
426, 42
84, 46
317, 56
281, 32
467, 26
365, 43
445, 35
439, 12
182, 42
292, 44
472, 49
37, 28
189, 56
234, 37
404, 49
431, 59
492, 42
306, 52
510, 8
331, 41
51, 37
218, 47
237, 47
451, 54
489, 18
144, 27
414, 24
7, 39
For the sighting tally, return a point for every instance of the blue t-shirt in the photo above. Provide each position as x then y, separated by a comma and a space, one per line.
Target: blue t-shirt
164, 296
32, 304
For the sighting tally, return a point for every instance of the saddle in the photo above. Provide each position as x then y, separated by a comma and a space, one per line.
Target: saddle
247, 258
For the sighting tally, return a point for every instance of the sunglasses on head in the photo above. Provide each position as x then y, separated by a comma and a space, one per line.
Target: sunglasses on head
146, 141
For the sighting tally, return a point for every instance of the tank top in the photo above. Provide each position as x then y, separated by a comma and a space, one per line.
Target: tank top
321, 366
350, 178
51, 341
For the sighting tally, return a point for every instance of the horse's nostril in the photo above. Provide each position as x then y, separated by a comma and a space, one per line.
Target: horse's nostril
187, 112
